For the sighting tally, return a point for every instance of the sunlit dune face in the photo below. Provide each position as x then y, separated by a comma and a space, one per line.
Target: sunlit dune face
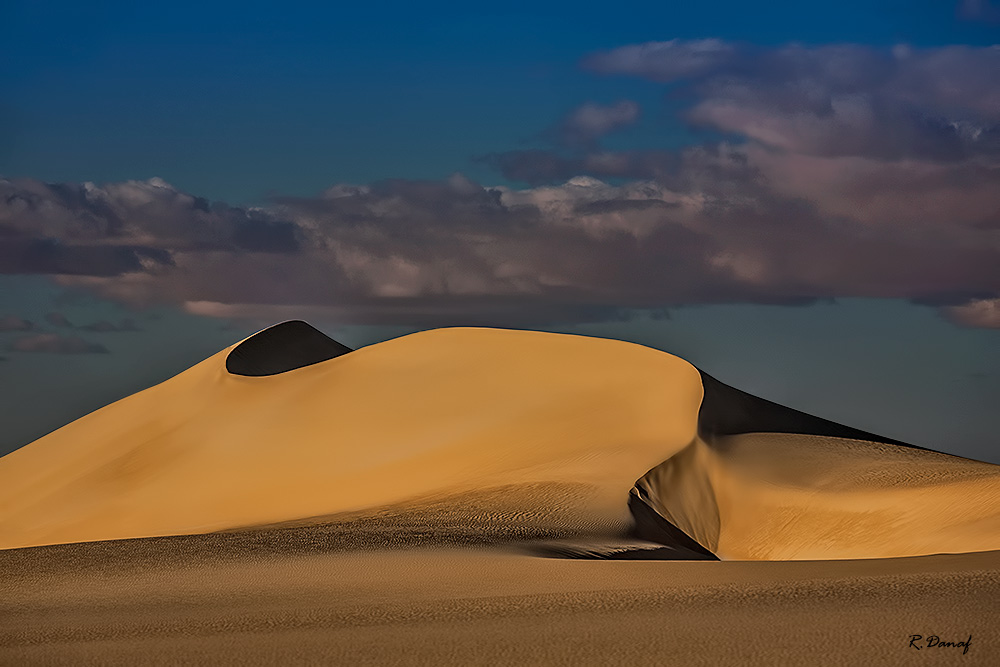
431, 414
486, 436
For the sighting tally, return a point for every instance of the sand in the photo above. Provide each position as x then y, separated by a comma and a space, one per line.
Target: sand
572, 436
479, 496
778, 496
487, 607
433, 414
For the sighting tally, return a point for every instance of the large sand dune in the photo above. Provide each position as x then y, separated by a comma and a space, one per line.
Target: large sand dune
503, 434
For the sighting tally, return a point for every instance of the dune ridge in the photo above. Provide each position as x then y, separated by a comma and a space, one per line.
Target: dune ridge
429, 416
289, 426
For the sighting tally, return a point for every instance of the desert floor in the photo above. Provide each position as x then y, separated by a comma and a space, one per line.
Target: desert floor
240, 600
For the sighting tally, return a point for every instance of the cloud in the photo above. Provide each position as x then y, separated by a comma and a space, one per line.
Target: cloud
984, 313
940, 104
847, 171
541, 167
58, 320
666, 61
716, 228
14, 323
104, 326
54, 257
979, 10
56, 344
591, 121
122, 228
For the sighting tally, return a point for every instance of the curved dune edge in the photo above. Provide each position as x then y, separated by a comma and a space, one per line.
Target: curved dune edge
516, 435
435, 415
780, 496
766, 482
283, 347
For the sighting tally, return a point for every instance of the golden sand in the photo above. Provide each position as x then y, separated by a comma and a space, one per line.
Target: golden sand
480, 607
778, 496
547, 435
432, 414
389, 506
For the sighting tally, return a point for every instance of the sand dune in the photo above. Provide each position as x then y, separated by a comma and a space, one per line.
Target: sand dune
435, 414
771, 496
493, 435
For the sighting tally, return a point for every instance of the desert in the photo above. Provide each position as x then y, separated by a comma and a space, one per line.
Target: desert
484, 496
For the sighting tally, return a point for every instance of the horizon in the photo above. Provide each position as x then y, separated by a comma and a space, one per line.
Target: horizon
803, 202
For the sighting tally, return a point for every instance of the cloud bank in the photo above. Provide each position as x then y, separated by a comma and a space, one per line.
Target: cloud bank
55, 343
846, 171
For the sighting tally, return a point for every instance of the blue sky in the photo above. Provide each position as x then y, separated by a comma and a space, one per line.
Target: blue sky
808, 190
236, 101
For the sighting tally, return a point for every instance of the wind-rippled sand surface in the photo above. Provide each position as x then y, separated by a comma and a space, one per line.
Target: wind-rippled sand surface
477, 606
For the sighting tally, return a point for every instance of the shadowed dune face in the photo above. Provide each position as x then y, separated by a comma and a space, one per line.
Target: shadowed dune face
282, 348
462, 436
726, 410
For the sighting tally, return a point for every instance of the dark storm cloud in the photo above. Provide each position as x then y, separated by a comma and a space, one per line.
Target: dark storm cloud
55, 344
849, 172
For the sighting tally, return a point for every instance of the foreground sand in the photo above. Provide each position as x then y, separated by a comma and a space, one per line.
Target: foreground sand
131, 603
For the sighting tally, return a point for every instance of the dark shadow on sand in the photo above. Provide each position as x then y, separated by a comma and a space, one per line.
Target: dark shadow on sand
281, 348
726, 410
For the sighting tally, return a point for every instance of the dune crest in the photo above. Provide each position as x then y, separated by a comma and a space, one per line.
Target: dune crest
282, 348
434, 414
514, 434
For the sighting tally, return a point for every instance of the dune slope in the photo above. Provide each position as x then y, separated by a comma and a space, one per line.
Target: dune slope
555, 420
781, 496
483, 435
